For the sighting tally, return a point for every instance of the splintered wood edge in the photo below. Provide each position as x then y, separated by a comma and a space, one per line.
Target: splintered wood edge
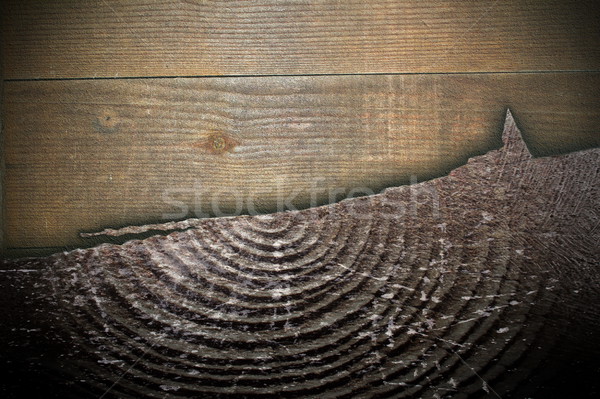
511, 137
401, 122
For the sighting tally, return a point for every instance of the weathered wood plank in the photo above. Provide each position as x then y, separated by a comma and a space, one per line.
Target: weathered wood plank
58, 39
2, 221
85, 155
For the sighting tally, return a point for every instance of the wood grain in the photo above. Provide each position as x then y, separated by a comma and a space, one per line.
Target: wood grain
109, 38
86, 155
482, 283
2, 168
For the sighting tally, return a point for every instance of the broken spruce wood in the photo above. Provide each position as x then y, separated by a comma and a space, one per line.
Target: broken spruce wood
81, 155
481, 283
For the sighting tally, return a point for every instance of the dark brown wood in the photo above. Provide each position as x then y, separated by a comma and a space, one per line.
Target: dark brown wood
86, 155
480, 283
2, 163
110, 38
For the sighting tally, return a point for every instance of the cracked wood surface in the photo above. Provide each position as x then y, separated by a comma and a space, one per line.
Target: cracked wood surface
110, 38
482, 283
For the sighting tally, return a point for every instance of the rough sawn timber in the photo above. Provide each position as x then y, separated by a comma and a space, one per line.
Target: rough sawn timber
481, 283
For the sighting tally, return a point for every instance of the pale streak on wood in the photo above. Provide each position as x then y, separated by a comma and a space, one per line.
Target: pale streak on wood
168, 226
482, 281
86, 155
66, 39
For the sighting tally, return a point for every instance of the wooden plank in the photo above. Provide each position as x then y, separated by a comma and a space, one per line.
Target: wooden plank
58, 39
2, 162
2, 221
85, 155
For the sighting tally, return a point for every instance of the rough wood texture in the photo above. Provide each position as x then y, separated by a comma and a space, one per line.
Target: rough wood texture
2, 168
67, 39
481, 283
84, 155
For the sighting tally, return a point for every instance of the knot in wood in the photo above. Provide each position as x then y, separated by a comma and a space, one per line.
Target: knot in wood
106, 122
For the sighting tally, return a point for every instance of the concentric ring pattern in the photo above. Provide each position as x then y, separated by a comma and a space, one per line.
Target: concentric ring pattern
436, 290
